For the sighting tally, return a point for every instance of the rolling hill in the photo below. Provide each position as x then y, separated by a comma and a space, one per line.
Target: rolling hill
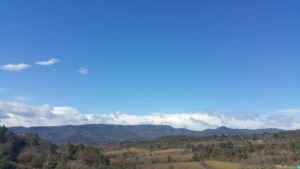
91, 133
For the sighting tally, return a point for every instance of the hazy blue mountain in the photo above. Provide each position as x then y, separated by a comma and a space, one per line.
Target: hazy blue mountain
229, 131
92, 133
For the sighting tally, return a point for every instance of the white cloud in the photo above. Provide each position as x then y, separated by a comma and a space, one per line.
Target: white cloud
64, 110
15, 67
47, 62
83, 71
289, 111
20, 114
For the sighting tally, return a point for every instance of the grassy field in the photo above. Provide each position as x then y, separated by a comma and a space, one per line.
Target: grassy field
231, 165
144, 156
186, 165
119, 152
199, 165
173, 158
223, 165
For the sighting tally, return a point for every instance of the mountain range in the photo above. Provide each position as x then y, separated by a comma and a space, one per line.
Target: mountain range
93, 133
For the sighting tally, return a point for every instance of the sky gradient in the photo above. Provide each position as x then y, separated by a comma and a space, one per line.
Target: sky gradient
145, 57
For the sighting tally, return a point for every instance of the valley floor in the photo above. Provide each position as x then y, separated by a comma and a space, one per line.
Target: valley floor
173, 158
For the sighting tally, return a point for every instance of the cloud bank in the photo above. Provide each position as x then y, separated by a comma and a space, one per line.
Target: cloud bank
15, 67
21, 114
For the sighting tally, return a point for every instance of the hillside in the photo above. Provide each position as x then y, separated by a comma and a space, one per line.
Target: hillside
85, 134
31, 152
278, 150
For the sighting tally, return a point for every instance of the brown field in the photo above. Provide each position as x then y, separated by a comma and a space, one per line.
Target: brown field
173, 158
223, 165
144, 156
126, 151
169, 151
187, 165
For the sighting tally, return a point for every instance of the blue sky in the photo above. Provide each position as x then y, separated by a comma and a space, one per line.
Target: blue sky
153, 56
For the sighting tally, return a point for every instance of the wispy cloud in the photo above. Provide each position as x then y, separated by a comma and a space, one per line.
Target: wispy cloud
3, 89
83, 71
15, 67
22, 98
16, 114
51, 61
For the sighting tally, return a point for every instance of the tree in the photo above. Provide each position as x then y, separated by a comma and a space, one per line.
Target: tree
169, 158
69, 151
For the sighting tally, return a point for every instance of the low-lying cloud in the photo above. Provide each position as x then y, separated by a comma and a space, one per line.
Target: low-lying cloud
21, 114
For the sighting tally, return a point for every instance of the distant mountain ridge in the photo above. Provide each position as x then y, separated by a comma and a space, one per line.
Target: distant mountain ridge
230, 132
92, 133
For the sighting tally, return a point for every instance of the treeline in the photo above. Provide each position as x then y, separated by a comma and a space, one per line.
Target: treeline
31, 152
284, 153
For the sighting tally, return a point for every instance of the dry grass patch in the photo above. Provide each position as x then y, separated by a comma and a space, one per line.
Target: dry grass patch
188, 165
223, 165
124, 151
169, 151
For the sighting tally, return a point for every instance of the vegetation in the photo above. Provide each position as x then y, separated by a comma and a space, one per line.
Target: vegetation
255, 151
279, 150
29, 151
